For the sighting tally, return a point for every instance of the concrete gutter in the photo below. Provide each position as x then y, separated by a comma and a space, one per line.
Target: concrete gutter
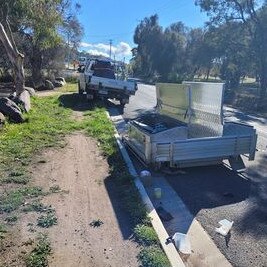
169, 249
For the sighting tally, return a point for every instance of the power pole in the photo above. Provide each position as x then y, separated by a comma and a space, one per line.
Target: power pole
110, 45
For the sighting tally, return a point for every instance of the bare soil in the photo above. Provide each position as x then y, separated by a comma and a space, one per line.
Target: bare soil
87, 194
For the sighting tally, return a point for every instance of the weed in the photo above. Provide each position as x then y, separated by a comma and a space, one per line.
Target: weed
96, 223
37, 206
146, 235
153, 256
54, 189
13, 199
38, 256
16, 180
2, 231
11, 219
47, 220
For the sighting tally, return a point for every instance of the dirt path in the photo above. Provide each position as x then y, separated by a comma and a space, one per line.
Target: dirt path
80, 170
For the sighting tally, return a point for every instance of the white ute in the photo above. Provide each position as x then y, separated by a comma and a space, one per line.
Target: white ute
98, 80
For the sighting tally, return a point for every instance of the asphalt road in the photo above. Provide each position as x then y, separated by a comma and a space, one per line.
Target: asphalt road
214, 193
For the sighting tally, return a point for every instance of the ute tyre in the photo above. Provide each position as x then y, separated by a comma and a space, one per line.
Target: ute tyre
80, 91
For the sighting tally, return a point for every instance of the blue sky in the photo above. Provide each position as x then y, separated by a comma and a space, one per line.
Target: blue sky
117, 19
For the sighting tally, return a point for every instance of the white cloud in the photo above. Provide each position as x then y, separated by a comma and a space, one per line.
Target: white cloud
85, 45
120, 50
124, 49
95, 52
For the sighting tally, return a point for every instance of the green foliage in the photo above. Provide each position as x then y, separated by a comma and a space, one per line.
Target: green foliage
16, 178
38, 207
3, 231
47, 220
146, 235
11, 219
12, 200
153, 257
55, 189
98, 125
38, 256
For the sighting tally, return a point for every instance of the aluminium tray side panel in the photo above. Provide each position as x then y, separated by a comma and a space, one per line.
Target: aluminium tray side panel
206, 116
173, 100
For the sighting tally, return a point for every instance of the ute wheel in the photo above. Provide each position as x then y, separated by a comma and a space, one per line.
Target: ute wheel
80, 91
122, 103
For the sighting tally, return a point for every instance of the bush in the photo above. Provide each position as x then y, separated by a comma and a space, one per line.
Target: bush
146, 235
153, 257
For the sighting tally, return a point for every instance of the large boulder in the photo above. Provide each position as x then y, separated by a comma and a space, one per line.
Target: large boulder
2, 119
10, 109
49, 85
61, 79
25, 100
58, 83
30, 90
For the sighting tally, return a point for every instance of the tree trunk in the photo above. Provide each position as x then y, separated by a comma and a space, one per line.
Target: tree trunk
16, 59
36, 64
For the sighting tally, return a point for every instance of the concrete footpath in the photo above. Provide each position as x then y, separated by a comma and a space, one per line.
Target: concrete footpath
204, 253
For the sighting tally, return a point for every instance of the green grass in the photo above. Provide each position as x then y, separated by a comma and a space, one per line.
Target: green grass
70, 87
153, 256
13, 199
47, 123
38, 256
18, 177
146, 235
3, 231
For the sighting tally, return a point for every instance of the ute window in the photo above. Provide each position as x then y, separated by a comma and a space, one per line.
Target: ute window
103, 69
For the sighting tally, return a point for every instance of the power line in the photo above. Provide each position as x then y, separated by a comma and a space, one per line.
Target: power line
110, 45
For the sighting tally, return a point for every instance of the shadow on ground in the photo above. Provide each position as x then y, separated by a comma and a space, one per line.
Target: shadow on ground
76, 102
210, 187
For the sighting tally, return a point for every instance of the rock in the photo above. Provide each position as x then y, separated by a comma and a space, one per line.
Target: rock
61, 79
24, 98
49, 85
2, 119
58, 83
41, 87
10, 109
30, 90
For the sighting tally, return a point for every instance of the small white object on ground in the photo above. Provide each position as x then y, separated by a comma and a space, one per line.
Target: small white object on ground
145, 173
225, 227
182, 243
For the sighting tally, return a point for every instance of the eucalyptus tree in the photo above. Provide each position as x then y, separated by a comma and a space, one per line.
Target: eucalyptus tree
252, 15
8, 10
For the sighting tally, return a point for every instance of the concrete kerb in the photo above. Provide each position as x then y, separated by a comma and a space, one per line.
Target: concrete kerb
169, 249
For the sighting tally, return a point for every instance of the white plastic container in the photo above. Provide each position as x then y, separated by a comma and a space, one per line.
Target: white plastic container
182, 243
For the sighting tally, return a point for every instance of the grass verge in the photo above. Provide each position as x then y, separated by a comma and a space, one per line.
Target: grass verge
151, 254
48, 121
